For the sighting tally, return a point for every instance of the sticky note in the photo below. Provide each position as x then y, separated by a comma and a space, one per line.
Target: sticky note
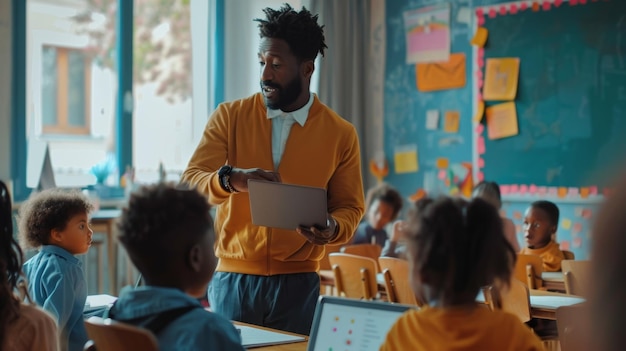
442, 162
502, 121
480, 111
577, 228
480, 37
451, 121
562, 192
566, 223
405, 158
432, 119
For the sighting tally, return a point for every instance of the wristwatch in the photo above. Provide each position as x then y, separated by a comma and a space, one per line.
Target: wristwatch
224, 175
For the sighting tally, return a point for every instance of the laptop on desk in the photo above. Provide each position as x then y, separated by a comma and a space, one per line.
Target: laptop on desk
342, 323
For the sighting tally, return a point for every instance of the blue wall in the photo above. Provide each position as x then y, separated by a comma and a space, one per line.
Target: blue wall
405, 121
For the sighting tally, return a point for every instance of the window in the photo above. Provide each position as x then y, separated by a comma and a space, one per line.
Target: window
65, 91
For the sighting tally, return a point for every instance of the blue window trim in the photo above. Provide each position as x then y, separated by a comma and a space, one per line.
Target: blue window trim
18, 100
125, 101
218, 55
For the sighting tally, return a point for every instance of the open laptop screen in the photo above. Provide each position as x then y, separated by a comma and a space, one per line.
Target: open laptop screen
342, 323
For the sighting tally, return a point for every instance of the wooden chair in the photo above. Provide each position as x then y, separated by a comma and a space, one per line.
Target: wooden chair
528, 269
355, 276
577, 277
109, 335
397, 282
327, 277
568, 255
573, 325
367, 250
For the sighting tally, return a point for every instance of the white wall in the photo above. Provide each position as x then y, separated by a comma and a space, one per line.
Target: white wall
5, 90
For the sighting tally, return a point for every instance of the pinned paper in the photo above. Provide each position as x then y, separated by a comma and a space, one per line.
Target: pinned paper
480, 111
517, 215
586, 213
504, 189
442, 162
449, 74
479, 129
577, 228
405, 158
572, 191
535, 6
442, 174
562, 192
502, 121
532, 189
419, 194
584, 192
480, 145
593, 190
577, 242
514, 189
501, 76
564, 245
566, 223
481, 162
451, 121
523, 189
480, 37
432, 119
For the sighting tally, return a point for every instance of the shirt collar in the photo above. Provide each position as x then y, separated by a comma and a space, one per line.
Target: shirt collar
300, 115
59, 251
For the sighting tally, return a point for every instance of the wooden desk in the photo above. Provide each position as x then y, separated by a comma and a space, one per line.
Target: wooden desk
103, 221
295, 346
553, 281
543, 304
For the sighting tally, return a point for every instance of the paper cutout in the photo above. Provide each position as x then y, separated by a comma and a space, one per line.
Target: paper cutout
492, 13
480, 145
442, 162
566, 223
427, 32
535, 6
557, 3
481, 176
542, 190
564, 245
572, 191
578, 211
586, 213
441, 75
502, 10
577, 228
573, 2
379, 167
523, 189
593, 190
481, 21
517, 215
479, 129
546, 6
480, 37
532, 189
523, 6
553, 191
514, 188
479, 12
481, 162
501, 76
405, 158
584, 192
513, 9
451, 121
577, 242
419, 194
504, 189
432, 119
442, 174
502, 121
480, 111
562, 192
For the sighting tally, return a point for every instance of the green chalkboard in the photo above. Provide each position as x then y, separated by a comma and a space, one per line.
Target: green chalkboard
571, 99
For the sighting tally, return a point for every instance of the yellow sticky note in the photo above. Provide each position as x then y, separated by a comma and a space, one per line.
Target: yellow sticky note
405, 158
451, 121
480, 111
502, 121
480, 37
442, 162
501, 76
566, 223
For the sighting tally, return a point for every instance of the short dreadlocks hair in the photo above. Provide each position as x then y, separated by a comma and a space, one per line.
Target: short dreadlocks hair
300, 30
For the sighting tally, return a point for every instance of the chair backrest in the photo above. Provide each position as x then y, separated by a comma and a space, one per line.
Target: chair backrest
577, 277
355, 276
528, 269
367, 250
568, 255
573, 326
324, 262
110, 335
515, 299
397, 282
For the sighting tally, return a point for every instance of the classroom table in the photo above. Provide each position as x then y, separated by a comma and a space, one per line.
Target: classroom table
543, 304
294, 346
553, 281
103, 221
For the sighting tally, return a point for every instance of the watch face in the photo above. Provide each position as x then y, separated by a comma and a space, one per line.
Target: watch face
224, 170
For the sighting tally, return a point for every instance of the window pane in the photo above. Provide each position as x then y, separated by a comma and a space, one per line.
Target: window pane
76, 89
49, 86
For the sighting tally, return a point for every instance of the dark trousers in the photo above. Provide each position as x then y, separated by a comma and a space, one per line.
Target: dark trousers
285, 302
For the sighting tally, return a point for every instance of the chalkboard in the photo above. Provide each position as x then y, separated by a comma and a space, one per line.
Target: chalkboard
571, 99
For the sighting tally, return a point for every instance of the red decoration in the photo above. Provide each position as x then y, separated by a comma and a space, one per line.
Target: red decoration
513, 9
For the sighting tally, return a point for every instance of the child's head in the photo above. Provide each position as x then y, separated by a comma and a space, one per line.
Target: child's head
56, 217
489, 191
540, 223
456, 247
383, 204
168, 233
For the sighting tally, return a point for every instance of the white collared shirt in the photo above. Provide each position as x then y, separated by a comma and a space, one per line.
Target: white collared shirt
281, 126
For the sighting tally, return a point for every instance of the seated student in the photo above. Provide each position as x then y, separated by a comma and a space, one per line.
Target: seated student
56, 222
455, 248
23, 327
168, 234
395, 246
490, 191
540, 223
383, 204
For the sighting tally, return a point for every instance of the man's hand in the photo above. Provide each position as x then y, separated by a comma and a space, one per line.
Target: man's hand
239, 177
320, 236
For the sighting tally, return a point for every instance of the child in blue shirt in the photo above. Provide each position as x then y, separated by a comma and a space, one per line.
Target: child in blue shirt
56, 222
383, 204
168, 234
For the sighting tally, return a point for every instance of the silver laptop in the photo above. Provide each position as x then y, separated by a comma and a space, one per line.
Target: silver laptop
286, 206
342, 323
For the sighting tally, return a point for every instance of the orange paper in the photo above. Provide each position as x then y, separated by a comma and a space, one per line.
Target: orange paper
584, 192
480, 111
420, 193
451, 121
502, 121
562, 192
442, 162
441, 75
480, 38
501, 76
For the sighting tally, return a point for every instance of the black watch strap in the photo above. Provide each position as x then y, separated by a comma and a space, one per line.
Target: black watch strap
224, 175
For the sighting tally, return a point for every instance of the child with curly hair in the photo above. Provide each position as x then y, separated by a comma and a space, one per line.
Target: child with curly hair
56, 223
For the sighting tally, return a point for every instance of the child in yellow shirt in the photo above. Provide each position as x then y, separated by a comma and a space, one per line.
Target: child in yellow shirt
456, 247
540, 223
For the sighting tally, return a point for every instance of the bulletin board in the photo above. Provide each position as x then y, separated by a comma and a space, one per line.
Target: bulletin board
571, 96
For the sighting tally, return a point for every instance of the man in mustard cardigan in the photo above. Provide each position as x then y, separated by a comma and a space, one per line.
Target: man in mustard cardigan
268, 276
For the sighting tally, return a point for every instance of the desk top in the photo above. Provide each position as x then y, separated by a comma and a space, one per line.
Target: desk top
252, 332
552, 276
